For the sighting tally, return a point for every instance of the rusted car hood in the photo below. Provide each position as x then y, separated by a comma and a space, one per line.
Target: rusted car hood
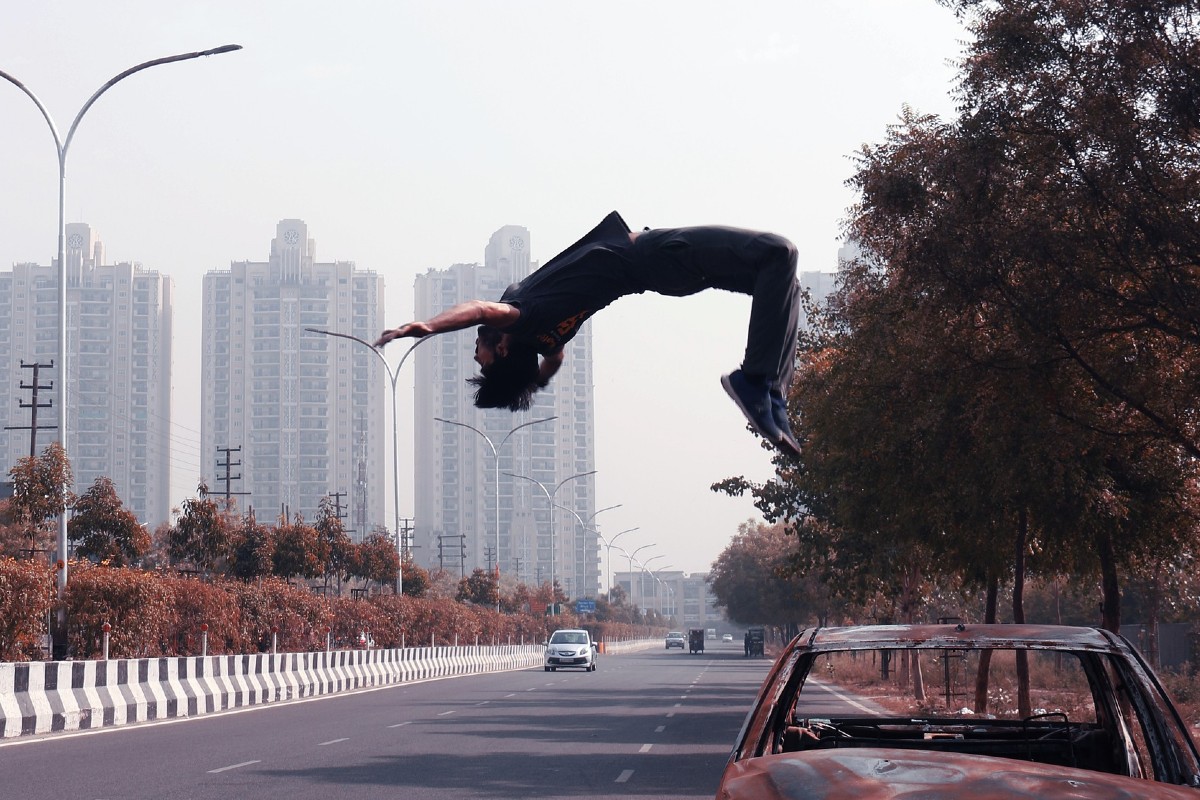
877, 773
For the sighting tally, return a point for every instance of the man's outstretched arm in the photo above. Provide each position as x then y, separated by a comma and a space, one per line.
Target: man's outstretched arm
455, 318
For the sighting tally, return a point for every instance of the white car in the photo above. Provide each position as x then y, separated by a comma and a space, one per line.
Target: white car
570, 648
676, 639
726, 637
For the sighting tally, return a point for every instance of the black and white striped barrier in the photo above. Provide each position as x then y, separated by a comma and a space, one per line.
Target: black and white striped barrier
49, 696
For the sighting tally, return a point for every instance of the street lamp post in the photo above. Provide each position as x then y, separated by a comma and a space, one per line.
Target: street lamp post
663, 584
60, 389
496, 472
393, 376
550, 493
584, 525
645, 570
631, 556
608, 547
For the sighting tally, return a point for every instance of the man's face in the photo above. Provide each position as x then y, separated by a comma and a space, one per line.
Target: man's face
488, 345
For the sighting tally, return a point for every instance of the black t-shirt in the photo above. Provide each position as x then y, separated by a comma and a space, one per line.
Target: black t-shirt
556, 299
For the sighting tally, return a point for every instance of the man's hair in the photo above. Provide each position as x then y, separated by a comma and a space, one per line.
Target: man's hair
509, 381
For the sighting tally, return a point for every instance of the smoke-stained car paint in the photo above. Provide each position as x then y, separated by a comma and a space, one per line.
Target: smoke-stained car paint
1116, 735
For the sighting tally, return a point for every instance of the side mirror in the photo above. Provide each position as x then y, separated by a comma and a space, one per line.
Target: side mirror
595, 646
545, 643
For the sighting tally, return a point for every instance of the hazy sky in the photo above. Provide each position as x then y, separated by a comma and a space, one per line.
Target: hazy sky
404, 133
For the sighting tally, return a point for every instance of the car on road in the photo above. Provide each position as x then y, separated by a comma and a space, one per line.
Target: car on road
676, 639
568, 647
961, 710
726, 637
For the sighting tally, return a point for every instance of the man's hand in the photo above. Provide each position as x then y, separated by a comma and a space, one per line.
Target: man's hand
414, 330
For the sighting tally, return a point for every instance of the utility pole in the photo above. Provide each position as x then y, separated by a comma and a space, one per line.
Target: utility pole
337, 504
462, 555
33, 404
405, 534
229, 479
517, 567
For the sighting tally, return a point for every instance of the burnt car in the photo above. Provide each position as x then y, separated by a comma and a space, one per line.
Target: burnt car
978, 711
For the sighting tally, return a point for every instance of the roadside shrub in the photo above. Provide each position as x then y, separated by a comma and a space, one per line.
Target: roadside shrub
26, 590
376, 618
197, 602
138, 605
300, 615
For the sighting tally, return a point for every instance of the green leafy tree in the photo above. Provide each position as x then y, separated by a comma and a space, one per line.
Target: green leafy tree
104, 530
41, 493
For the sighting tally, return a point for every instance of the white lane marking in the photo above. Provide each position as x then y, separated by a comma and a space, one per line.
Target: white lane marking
844, 698
232, 766
679, 705
447, 713
625, 775
533, 688
660, 729
511, 694
484, 703
670, 714
334, 741
645, 748
400, 724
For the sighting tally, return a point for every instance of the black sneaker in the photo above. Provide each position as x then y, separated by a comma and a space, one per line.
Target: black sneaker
754, 399
786, 443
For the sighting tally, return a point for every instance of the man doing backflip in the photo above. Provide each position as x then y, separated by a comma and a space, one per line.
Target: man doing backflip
536, 317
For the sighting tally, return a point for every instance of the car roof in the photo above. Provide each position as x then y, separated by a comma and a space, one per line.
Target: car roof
1036, 637
569, 630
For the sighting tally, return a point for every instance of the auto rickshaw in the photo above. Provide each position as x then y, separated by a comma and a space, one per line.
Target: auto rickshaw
696, 640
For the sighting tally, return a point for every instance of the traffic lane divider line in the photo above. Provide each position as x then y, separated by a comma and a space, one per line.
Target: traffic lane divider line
233, 766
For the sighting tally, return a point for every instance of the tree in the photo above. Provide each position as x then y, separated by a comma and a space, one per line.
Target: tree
253, 550
754, 578
41, 493
104, 530
479, 588
201, 534
297, 550
1051, 225
377, 559
416, 579
335, 544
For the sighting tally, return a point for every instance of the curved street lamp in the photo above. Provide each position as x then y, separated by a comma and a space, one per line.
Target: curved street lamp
60, 390
583, 524
608, 547
550, 493
645, 570
631, 558
393, 376
496, 472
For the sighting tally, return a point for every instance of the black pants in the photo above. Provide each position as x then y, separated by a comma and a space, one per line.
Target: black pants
683, 261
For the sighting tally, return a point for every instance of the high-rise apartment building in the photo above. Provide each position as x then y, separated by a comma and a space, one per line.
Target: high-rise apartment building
119, 364
486, 501
289, 416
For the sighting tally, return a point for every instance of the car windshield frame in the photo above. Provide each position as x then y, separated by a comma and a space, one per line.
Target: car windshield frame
1130, 703
569, 637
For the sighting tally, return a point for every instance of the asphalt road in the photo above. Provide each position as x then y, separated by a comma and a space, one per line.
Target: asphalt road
657, 724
